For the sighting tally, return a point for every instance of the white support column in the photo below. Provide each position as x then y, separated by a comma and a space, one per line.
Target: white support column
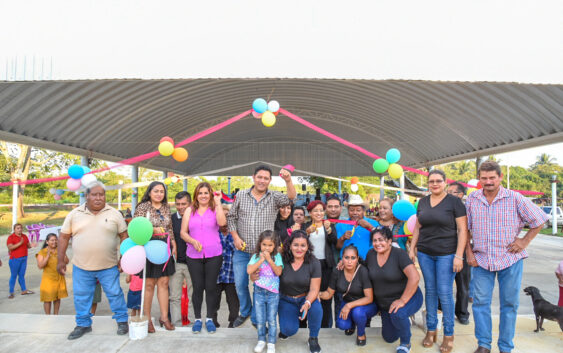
119, 196
135, 194
382, 189
554, 209
402, 186
15, 188
84, 162
185, 184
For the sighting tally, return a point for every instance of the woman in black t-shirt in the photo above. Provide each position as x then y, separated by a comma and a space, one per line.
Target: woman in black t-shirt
440, 235
299, 289
352, 282
395, 287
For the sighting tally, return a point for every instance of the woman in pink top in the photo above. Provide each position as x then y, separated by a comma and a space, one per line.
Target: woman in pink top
200, 230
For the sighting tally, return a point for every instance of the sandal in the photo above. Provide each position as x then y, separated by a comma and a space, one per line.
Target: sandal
26, 292
11, 296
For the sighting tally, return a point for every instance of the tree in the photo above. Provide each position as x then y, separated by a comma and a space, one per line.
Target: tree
544, 159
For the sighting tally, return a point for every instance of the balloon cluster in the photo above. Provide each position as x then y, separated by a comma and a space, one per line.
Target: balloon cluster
57, 193
79, 177
171, 180
138, 247
389, 164
354, 184
266, 111
166, 148
474, 185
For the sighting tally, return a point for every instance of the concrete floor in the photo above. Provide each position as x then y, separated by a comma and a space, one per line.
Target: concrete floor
47, 334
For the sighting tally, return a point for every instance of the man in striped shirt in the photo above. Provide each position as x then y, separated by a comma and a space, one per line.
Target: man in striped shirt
495, 218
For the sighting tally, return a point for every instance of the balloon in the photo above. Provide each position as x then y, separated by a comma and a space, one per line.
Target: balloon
166, 148
167, 138
88, 179
57, 197
167, 181
180, 154
273, 106
403, 209
473, 182
411, 222
73, 184
52, 191
354, 187
479, 186
126, 245
260, 105
395, 171
157, 252
406, 229
175, 179
416, 205
134, 260
256, 115
59, 192
268, 119
75, 171
393, 155
470, 190
354, 180
86, 169
140, 230
380, 165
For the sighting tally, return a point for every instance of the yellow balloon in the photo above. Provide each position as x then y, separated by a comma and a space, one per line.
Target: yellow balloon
406, 229
268, 118
166, 148
395, 171
167, 181
470, 190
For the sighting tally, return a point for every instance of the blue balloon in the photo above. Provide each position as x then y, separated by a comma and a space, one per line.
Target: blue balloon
260, 105
75, 171
157, 252
402, 210
86, 169
126, 245
59, 192
393, 155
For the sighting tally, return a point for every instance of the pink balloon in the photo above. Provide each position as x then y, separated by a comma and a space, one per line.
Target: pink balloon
57, 197
134, 260
411, 222
256, 115
73, 184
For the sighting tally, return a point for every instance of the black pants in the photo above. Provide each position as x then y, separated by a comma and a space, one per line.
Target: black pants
204, 273
232, 300
462, 280
326, 321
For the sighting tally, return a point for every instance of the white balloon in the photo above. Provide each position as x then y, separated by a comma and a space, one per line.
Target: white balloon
88, 179
473, 182
273, 106
52, 191
354, 187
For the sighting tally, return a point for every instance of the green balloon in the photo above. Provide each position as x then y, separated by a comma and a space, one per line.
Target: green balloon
380, 165
140, 230
416, 205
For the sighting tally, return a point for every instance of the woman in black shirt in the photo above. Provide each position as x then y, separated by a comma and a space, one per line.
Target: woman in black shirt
440, 235
395, 287
353, 283
284, 221
299, 289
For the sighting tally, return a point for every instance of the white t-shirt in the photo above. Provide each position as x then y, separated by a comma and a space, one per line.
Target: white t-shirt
318, 240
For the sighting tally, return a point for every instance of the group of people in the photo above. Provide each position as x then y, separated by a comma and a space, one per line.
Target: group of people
298, 268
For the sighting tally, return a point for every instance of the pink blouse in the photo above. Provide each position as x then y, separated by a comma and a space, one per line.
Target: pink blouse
205, 230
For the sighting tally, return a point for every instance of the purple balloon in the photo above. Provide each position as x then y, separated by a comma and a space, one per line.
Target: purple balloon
134, 260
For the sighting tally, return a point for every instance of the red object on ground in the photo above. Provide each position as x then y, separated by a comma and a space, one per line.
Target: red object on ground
184, 303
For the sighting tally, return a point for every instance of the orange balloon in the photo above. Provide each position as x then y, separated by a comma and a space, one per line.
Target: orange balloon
354, 180
180, 154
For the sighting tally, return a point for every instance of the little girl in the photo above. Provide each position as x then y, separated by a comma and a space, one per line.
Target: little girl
134, 295
269, 262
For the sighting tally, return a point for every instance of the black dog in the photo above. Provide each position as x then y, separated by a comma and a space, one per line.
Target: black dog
544, 309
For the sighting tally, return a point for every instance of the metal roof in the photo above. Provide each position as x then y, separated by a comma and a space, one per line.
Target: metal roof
429, 122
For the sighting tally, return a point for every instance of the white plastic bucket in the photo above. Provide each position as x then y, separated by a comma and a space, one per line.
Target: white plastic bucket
138, 329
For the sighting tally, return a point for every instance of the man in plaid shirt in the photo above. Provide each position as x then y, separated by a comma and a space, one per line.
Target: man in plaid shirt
253, 212
495, 218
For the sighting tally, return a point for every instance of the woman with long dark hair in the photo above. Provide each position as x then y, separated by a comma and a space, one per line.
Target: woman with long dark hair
200, 231
284, 221
154, 206
53, 284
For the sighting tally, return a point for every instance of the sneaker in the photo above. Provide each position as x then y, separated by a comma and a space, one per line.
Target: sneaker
79, 331
122, 328
240, 320
463, 320
196, 328
210, 326
314, 345
404, 348
282, 336
259, 347
271, 348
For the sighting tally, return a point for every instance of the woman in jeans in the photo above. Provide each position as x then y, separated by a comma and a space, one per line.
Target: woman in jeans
439, 236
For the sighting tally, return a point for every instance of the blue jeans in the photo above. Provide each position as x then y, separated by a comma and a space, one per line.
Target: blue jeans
84, 285
358, 317
17, 270
439, 275
398, 325
266, 307
289, 315
240, 261
471, 286
509, 281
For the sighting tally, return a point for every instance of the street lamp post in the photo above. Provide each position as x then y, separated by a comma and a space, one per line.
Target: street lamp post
119, 196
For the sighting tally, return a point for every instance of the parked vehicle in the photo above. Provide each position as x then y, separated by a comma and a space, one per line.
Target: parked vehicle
548, 210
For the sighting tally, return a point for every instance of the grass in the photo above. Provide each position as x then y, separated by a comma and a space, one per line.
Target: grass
54, 217
548, 231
